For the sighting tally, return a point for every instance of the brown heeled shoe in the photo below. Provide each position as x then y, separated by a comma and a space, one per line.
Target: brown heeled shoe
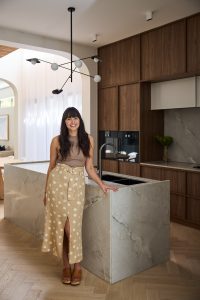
66, 276
76, 277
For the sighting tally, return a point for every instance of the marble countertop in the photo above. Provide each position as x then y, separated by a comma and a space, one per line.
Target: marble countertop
42, 167
173, 165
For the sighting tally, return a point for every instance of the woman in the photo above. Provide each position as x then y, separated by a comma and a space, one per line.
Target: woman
70, 152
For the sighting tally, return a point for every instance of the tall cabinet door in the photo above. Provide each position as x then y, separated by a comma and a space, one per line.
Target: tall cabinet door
129, 107
164, 51
108, 108
193, 43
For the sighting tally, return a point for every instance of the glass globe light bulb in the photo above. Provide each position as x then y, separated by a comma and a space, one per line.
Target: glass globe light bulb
33, 61
78, 63
96, 59
54, 66
97, 78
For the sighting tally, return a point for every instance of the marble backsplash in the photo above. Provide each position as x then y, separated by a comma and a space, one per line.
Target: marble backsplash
184, 126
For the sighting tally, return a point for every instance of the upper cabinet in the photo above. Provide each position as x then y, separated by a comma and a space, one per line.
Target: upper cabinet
120, 62
193, 43
108, 108
163, 51
129, 107
178, 93
119, 108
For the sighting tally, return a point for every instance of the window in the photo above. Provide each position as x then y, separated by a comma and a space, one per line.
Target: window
7, 102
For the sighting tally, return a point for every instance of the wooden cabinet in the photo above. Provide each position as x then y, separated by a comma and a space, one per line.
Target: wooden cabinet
177, 193
163, 51
129, 107
108, 108
177, 188
110, 165
151, 172
184, 192
177, 207
119, 111
122, 167
177, 180
120, 62
193, 44
193, 197
193, 184
127, 168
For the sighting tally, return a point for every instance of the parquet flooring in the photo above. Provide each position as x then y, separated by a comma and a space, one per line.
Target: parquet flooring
28, 274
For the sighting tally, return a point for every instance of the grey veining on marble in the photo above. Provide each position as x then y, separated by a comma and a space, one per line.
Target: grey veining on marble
23, 203
140, 229
124, 232
184, 126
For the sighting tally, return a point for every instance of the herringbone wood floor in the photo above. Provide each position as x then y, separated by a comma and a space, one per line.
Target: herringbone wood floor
28, 274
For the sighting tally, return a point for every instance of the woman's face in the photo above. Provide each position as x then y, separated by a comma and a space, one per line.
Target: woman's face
72, 123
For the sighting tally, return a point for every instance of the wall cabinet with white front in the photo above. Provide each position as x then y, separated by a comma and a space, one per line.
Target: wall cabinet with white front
180, 93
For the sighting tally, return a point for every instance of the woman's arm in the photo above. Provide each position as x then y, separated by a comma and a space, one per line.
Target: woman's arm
53, 157
91, 171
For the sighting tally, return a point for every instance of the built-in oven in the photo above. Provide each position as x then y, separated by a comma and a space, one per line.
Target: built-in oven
121, 145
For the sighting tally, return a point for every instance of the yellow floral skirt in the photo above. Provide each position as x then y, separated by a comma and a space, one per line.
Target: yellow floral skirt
65, 200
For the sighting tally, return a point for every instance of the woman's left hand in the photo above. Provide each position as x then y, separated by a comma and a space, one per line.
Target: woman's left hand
106, 188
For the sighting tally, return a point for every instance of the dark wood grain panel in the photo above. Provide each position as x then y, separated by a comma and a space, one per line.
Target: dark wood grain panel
120, 62
151, 172
193, 210
151, 124
128, 60
129, 107
163, 51
151, 45
110, 165
193, 184
107, 68
193, 44
177, 180
177, 207
127, 168
108, 109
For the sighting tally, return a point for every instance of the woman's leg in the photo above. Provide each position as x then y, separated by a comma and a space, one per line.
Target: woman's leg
66, 275
66, 245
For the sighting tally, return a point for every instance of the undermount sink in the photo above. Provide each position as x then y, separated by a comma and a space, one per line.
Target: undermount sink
121, 180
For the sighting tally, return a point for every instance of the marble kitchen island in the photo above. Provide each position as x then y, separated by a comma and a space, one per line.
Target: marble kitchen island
124, 232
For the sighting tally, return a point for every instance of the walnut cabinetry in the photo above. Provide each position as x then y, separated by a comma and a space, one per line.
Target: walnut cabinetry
118, 60
193, 44
110, 165
163, 51
193, 197
129, 168
108, 108
184, 192
122, 167
129, 107
151, 172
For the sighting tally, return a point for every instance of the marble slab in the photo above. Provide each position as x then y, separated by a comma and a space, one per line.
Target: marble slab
124, 232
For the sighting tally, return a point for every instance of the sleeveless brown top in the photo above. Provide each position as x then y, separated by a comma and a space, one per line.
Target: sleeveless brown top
76, 157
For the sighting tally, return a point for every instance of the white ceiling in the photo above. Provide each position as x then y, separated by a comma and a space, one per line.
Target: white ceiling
111, 20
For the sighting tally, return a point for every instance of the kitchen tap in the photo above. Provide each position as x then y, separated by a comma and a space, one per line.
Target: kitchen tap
100, 156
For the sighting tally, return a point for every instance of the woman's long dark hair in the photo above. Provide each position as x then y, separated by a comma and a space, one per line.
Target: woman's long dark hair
83, 138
